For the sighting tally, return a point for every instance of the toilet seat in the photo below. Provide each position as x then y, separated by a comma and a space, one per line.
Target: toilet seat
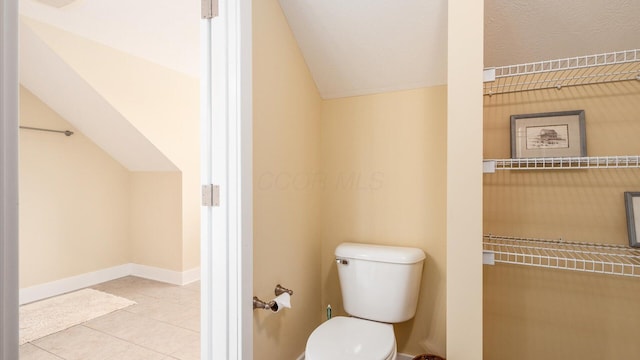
346, 338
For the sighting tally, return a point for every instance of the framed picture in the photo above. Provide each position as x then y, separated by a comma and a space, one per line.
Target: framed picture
632, 203
553, 134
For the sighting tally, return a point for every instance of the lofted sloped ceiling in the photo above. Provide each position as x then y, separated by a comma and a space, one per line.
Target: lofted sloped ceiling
45, 74
362, 46
165, 32
365, 46
91, 46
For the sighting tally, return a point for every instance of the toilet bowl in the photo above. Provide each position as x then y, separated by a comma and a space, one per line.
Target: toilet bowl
348, 338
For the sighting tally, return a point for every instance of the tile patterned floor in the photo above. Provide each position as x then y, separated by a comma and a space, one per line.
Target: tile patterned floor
163, 325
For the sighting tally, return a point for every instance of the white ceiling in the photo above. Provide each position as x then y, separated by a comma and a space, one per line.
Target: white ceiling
166, 32
521, 31
362, 46
367, 46
52, 80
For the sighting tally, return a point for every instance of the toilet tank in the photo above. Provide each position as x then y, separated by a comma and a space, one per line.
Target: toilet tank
379, 283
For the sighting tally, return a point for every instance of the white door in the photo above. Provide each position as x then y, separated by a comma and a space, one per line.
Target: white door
226, 247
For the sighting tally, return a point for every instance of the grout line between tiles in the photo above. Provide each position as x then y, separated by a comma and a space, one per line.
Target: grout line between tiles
161, 321
47, 351
127, 341
157, 296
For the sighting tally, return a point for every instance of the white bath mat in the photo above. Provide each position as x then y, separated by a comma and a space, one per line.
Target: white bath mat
48, 316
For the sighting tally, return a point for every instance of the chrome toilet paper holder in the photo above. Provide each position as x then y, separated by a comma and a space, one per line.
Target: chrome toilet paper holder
271, 305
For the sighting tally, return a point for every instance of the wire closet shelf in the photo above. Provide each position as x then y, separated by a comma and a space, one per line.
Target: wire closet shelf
560, 163
608, 259
559, 73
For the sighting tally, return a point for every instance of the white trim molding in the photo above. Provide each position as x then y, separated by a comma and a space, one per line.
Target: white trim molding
227, 236
190, 276
164, 275
57, 287
73, 283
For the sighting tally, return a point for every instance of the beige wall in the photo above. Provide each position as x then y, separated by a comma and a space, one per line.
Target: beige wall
74, 201
156, 207
536, 313
384, 176
286, 128
81, 211
161, 103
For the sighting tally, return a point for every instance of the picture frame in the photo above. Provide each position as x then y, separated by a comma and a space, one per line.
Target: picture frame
551, 134
632, 205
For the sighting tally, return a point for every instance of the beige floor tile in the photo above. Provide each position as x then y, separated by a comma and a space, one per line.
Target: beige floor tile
166, 292
126, 293
163, 325
83, 343
134, 281
172, 313
191, 323
32, 352
190, 352
175, 294
149, 333
133, 288
194, 286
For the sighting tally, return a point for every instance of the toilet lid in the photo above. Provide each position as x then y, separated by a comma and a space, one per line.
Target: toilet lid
346, 338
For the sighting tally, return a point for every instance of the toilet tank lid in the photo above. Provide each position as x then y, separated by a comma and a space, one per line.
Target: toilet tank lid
380, 253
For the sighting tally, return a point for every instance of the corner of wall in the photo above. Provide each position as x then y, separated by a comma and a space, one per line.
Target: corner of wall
286, 108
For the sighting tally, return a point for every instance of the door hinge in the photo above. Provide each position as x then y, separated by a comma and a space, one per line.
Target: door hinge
210, 195
209, 9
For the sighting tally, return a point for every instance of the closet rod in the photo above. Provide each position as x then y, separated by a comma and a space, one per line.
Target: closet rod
66, 132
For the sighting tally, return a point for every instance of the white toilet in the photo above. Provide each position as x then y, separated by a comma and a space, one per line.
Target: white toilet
380, 286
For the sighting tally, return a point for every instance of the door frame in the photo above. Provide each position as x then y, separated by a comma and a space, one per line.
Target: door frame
227, 151
9, 180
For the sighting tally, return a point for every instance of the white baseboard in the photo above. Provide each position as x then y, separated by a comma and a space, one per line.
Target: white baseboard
57, 287
164, 275
190, 276
398, 357
62, 286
